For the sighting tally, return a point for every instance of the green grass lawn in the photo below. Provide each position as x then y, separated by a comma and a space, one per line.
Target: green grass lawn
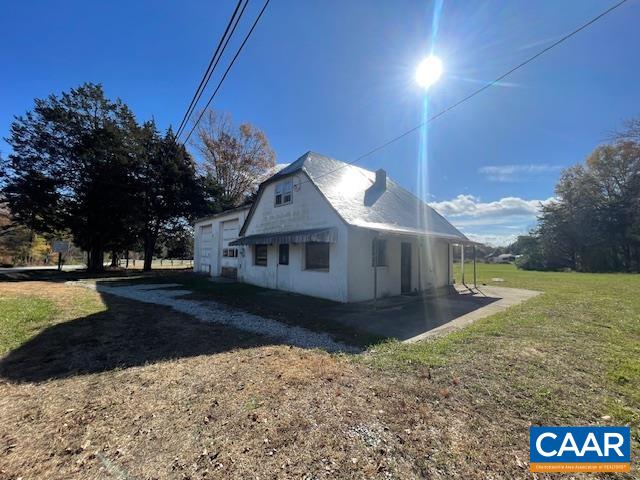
568, 356
26, 312
21, 318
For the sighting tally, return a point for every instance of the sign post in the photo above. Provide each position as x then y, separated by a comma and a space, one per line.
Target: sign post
60, 247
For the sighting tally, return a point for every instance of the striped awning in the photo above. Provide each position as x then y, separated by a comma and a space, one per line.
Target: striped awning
329, 235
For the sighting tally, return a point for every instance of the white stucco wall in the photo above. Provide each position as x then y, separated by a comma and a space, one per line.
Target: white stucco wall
211, 236
432, 256
308, 210
350, 277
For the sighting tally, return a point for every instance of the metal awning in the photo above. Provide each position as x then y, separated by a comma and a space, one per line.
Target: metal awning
329, 235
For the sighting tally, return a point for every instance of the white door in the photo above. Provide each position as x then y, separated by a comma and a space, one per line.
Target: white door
206, 248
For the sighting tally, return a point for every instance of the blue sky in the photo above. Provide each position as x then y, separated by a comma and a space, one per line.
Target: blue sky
338, 78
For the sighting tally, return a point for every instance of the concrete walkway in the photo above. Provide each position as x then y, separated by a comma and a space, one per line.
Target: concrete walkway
414, 318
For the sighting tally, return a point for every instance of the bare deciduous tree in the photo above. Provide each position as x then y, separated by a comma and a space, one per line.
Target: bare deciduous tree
235, 157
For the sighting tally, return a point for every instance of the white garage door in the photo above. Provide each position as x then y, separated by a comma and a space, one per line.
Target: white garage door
230, 231
205, 248
206, 242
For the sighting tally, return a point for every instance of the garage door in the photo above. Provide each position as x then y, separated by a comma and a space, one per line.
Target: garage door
206, 248
229, 258
206, 242
230, 231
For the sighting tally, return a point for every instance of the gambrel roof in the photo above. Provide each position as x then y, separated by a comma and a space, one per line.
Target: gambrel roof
348, 190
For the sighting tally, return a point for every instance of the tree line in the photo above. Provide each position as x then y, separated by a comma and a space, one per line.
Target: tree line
83, 167
593, 224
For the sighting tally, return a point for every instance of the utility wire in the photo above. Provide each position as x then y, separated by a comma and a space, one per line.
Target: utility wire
480, 90
212, 65
246, 38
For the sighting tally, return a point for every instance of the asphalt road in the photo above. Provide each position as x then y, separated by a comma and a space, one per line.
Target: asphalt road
42, 267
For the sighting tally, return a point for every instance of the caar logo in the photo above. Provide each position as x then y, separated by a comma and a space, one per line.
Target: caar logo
579, 449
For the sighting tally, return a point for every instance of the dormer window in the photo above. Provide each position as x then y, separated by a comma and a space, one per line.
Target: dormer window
284, 192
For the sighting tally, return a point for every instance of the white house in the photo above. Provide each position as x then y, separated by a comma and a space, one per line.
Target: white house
324, 228
212, 253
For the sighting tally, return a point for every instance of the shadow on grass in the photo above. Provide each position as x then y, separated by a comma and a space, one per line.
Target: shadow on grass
131, 333
52, 275
127, 334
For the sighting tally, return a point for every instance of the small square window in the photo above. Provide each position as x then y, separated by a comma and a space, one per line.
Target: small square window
260, 255
284, 192
225, 252
283, 257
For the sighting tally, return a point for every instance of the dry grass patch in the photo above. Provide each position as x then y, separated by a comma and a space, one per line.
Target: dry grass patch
268, 411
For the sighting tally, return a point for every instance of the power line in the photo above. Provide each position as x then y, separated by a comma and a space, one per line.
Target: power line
480, 90
212, 65
246, 38
207, 73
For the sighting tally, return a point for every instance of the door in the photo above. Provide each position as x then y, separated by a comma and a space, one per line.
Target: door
405, 267
282, 268
228, 254
206, 248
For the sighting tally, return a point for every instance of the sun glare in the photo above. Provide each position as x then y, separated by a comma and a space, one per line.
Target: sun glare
429, 71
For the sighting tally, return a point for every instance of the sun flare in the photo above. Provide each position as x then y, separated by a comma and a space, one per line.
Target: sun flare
429, 71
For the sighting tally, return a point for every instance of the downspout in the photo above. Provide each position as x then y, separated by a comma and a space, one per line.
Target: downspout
375, 268
449, 262
420, 264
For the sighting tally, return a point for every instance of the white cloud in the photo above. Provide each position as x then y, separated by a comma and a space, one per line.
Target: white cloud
495, 223
468, 205
515, 173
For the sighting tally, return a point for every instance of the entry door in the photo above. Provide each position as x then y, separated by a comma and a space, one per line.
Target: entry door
405, 267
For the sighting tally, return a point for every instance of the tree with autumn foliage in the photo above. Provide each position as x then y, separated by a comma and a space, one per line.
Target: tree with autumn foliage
235, 158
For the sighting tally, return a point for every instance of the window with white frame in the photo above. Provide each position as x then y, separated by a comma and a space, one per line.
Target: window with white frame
284, 192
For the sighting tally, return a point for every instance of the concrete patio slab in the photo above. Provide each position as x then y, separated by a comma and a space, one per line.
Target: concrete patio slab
414, 318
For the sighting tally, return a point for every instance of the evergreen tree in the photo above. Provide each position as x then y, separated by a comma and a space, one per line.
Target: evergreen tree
169, 188
71, 169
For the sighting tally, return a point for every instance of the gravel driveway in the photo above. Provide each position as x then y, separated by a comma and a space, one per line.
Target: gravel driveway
209, 311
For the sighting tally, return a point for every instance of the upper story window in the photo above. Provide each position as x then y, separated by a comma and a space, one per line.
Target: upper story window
284, 192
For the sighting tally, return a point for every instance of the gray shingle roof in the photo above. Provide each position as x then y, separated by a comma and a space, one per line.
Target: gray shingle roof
394, 209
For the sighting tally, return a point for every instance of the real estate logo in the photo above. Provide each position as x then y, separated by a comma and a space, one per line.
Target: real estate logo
579, 449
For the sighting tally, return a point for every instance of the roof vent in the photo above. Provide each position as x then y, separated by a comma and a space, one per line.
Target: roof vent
379, 186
